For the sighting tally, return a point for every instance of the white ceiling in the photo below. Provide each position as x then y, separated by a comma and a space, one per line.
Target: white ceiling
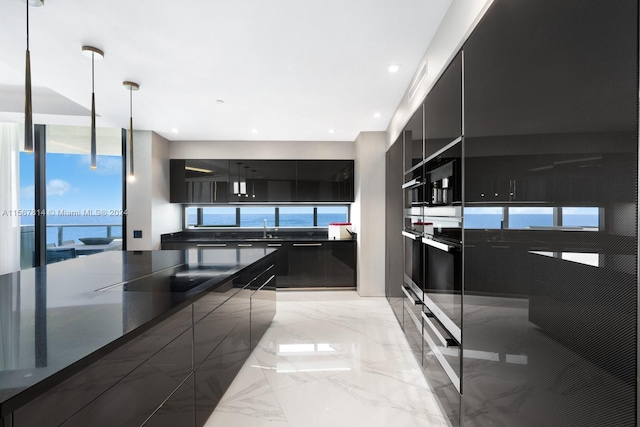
291, 69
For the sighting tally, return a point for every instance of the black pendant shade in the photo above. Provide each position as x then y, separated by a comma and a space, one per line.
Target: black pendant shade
131, 86
28, 106
94, 53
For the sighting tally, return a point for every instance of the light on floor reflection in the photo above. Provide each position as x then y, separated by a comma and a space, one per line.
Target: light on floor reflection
305, 348
288, 371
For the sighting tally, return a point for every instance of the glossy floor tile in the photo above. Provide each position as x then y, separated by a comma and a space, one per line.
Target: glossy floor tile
330, 359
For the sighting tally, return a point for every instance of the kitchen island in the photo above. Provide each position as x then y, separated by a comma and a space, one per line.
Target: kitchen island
130, 338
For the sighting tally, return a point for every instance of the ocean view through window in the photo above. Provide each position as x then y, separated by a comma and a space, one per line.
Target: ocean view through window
81, 203
276, 216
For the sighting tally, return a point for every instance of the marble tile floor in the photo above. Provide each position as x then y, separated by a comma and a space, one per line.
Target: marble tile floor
330, 358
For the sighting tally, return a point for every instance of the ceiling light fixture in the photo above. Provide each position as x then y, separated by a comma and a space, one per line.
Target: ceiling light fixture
254, 130
393, 68
174, 130
377, 115
131, 86
28, 105
332, 131
195, 169
92, 52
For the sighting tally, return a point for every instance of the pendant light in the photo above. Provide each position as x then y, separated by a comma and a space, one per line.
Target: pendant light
93, 53
246, 175
28, 106
253, 182
131, 86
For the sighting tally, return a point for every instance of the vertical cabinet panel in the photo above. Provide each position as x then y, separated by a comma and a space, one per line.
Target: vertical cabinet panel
340, 260
307, 265
547, 125
324, 181
443, 109
199, 181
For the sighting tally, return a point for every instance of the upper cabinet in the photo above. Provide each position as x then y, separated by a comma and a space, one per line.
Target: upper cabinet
199, 181
413, 137
551, 109
443, 109
324, 181
261, 181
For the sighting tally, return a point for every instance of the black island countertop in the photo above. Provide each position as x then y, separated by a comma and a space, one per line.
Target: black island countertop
58, 319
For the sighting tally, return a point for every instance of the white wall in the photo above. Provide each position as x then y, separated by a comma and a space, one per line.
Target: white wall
368, 211
460, 20
148, 204
321, 150
166, 217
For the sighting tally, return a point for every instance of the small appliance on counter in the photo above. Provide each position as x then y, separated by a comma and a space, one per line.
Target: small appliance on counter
340, 231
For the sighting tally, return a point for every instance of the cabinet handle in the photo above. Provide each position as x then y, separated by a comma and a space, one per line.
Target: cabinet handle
307, 244
410, 183
446, 342
267, 282
244, 245
409, 235
274, 245
415, 300
437, 245
211, 245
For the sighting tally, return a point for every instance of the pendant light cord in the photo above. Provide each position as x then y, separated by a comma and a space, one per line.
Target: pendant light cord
92, 73
27, 3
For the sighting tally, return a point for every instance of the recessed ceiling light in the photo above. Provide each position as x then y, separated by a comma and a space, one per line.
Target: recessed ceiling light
254, 130
174, 130
394, 68
377, 115
332, 131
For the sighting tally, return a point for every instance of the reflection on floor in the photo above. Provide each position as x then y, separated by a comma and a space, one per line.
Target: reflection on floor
330, 359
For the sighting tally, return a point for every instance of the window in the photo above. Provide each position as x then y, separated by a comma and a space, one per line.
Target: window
528, 217
329, 214
297, 216
215, 217
254, 216
483, 218
581, 217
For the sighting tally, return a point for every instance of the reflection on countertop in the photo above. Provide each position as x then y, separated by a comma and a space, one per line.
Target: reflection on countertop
59, 318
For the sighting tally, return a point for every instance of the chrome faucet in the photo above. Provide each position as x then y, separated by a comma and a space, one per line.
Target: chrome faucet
264, 233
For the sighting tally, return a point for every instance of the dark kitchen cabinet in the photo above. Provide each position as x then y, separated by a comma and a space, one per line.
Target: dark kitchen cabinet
199, 181
307, 265
443, 109
550, 120
340, 260
264, 180
413, 140
324, 181
216, 371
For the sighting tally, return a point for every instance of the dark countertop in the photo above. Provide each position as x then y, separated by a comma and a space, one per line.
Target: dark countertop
58, 319
212, 236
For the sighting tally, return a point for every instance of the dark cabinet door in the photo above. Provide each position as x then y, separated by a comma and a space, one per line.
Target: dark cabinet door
262, 180
443, 109
413, 140
551, 115
324, 181
199, 181
218, 360
340, 264
307, 265
263, 306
